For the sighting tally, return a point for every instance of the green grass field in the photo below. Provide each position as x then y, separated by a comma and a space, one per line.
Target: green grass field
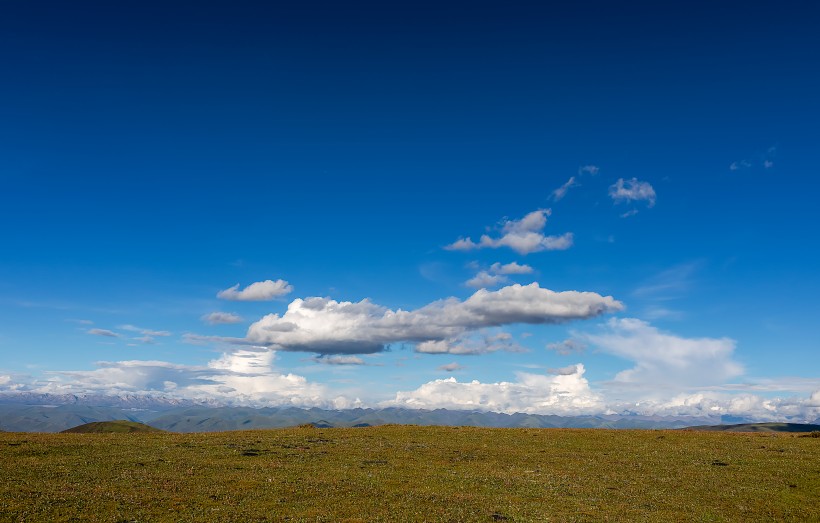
399, 473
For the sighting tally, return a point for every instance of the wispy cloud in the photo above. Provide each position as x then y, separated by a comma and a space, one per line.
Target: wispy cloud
103, 332
567, 347
633, 190
560, 192
339, 359
326, 326
665, 361
258, 291
145, 332
218, 318
524, 236
450, 367
589, 169
763, 159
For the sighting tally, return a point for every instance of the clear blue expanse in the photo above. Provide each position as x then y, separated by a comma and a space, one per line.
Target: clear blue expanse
659, 157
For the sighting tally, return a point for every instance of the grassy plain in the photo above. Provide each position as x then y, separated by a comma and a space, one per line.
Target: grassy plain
407, 473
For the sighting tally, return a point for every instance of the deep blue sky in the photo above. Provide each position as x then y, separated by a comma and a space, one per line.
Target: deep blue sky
155, 153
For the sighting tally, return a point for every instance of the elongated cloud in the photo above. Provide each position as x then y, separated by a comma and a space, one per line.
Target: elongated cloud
560, 192
103, 332
524, 236
219, 318
326, 326
632, 190
259, 291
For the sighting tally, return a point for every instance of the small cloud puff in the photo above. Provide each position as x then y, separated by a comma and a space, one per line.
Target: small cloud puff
259, 291
496, 275
524, 236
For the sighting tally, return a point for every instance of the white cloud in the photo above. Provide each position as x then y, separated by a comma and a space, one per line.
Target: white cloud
103, 332
589, 169
563, 371
510, 268
496, 275
259, 291
632, 190
326, 326
339, 359
563, 394
144, 332
484, 280
450, 367
750, 406
219, 318
567, 347
524, 236
475, 343
244, 377
560, 192
665, 361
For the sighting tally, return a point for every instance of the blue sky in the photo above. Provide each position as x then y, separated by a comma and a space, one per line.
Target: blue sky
660, 159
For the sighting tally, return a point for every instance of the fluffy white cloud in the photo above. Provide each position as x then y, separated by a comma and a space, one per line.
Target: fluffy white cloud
524, 236
218, 318
259, 291
563, 394
103, 332
324, 326
665, 361
560, 192
632, 190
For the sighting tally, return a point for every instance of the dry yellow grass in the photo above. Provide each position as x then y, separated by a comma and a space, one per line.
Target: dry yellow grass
397, 473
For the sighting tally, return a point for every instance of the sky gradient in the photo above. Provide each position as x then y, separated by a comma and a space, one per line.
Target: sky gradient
570, 209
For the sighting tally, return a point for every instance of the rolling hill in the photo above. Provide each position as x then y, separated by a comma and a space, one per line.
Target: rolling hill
759, 427
117, 426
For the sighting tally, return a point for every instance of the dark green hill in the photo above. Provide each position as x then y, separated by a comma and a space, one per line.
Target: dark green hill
97, 427
759, 427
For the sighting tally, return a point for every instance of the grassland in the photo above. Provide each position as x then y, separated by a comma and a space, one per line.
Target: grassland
395, 473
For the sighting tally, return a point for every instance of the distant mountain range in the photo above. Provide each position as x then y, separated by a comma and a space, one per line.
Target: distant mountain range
55, 413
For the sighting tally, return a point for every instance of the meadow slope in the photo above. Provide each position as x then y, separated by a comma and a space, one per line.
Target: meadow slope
409, 473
